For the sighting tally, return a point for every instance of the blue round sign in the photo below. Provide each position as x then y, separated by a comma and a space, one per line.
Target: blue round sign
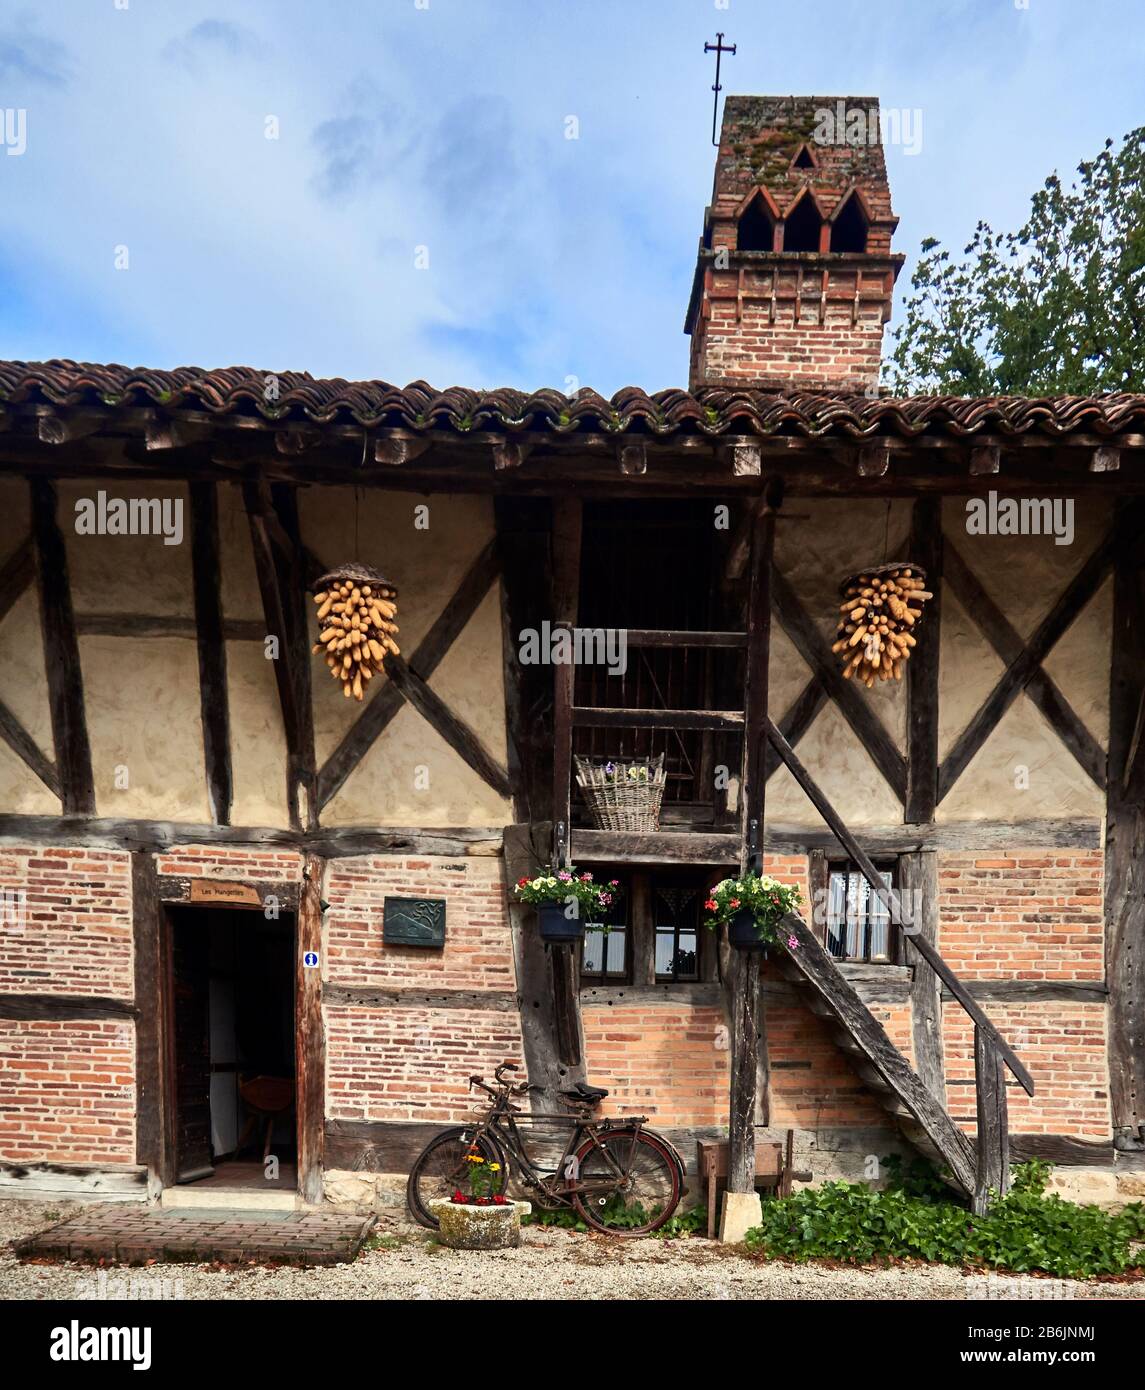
310, 958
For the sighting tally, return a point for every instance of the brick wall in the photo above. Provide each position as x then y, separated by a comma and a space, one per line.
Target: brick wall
1062, 1046
412, 1064
230, 862
478, 952
67, 1092
1032, 915
667, 1061
406, 1063
75, 935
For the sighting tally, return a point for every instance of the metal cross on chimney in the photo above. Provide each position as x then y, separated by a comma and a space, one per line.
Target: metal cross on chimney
719, 48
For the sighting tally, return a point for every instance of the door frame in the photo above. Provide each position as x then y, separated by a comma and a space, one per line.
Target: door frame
231, 895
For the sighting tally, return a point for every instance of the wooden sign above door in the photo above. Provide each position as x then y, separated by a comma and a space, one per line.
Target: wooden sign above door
208, 890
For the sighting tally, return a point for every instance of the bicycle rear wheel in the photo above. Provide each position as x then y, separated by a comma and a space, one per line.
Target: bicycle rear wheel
441, 1169
639, 1201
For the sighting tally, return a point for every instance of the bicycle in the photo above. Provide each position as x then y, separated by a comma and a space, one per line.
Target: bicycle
618, 1176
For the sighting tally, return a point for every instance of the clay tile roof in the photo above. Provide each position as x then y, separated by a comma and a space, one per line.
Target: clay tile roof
711, 411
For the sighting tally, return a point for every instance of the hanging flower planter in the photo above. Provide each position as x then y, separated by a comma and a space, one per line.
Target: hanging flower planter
753, 907
356, 610
554, 897
881, 608
556, 926
743, 933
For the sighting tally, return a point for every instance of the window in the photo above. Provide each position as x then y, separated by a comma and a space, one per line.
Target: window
677, 922
755, 230
802, 226
604, 955
849, 229
858, 921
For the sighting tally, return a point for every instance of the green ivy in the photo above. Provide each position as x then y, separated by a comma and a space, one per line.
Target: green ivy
1023, 1231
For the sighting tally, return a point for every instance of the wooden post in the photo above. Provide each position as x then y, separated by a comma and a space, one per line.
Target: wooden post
213, 704
1125, 835
62, 656
922, 668
641, 930
309, 1038
918, 873
152, 1148
748, 1030
567, 523
993, 1171
525, 850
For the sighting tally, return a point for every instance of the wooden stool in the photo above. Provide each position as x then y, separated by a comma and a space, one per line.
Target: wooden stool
265, 1096
773, 1169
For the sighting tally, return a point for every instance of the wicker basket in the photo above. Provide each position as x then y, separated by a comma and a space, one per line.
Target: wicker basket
620, 802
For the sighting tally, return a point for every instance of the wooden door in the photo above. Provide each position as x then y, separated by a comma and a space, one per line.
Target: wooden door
190, 1044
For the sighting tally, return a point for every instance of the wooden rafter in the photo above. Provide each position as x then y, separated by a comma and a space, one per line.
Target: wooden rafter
926, 550
16, 574
27, 749
1025, 666
1005, 640
437, 714
282, 598
383, 706
212, 649
62, 656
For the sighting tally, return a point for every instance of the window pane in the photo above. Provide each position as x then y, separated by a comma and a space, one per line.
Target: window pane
686, 956
594, 940
615, 951
665, 949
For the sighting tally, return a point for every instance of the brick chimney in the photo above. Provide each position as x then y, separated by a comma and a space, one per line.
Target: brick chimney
795, 273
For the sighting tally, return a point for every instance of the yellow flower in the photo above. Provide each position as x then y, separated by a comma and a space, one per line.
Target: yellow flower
494, 1167
474, 1158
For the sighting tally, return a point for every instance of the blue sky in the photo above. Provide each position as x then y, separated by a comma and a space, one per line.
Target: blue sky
441, 124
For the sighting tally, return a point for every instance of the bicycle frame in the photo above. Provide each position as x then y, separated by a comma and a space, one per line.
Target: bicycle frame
501, 1124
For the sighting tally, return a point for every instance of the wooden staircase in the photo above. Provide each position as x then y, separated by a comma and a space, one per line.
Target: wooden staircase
878, 1062
978, 1167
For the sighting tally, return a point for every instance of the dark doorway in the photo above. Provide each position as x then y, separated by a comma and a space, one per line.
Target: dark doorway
231, 1045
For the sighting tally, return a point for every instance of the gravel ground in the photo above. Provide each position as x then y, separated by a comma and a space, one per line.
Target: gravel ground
550, 1264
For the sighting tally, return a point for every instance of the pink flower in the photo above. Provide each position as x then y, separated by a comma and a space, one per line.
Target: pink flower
586, 878
564, 876
606, 899
733, 902
792, 944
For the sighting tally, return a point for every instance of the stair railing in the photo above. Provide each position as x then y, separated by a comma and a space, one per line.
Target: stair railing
992, 1053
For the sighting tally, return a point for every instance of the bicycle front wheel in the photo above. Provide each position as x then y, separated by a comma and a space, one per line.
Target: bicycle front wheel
441, 1169
629, 1182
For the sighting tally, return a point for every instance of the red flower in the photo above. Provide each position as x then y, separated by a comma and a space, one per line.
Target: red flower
521, 882
457, 1195
499, 1199
733, 902
711, 905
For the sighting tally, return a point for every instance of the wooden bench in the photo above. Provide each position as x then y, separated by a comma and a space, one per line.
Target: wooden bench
773, 1169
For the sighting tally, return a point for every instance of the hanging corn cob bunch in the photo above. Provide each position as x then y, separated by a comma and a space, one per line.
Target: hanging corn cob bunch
356, 611
879, 614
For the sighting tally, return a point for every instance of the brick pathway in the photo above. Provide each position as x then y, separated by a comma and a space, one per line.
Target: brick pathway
133, 1236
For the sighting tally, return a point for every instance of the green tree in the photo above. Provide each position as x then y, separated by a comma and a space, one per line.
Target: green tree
1057, 307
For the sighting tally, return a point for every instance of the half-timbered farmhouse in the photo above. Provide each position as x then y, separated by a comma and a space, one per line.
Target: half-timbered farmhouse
216, 866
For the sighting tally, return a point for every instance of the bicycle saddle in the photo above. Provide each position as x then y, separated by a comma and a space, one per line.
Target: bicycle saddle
585, 1093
